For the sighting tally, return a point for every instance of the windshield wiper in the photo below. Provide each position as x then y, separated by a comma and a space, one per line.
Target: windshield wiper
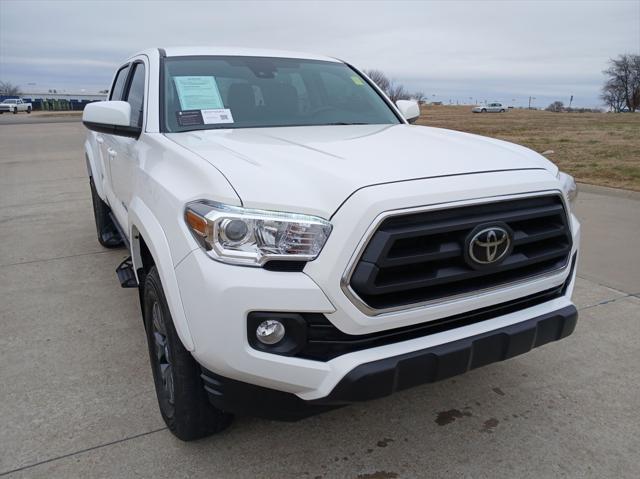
345, 123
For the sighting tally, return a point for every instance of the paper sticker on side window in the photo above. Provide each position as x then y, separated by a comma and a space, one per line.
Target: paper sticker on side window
220, 115
198, 92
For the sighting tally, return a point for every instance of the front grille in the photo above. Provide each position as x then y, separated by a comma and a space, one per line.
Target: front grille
420, 257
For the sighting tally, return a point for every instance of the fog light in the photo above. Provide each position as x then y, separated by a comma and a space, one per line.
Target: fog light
270, 331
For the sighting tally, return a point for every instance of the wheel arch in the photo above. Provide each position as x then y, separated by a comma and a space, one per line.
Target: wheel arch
149, 247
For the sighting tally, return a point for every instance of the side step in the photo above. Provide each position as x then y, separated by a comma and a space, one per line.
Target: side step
126, 275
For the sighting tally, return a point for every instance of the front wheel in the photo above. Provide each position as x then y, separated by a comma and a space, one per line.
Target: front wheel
29, 110
501, 111
183, 402
15, 111
484, 110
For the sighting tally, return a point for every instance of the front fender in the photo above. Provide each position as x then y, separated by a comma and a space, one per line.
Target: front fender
143, 222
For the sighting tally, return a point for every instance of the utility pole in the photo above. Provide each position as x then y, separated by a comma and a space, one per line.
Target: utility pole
570, 101
531, 98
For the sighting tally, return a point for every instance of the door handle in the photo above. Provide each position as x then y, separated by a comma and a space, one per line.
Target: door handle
111, 152
99, 139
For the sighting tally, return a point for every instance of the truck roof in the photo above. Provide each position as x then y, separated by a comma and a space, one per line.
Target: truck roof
236, 51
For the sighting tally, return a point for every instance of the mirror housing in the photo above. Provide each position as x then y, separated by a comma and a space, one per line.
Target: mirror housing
111, 117
410, 109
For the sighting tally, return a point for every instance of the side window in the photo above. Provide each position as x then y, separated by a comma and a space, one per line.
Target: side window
118, 85
135, 95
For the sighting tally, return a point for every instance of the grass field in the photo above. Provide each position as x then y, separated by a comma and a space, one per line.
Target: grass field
597, 148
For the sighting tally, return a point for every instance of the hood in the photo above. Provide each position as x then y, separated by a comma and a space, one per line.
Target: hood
313, 169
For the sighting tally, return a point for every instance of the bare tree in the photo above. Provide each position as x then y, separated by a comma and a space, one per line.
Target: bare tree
394, 90
613, 96
9, 89
379, 79
623, 81
556, 106
398, 92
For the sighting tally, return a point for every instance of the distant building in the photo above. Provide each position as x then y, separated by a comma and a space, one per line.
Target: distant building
61, 101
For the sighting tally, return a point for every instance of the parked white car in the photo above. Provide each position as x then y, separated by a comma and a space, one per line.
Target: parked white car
298, 245
490, 108
14, 105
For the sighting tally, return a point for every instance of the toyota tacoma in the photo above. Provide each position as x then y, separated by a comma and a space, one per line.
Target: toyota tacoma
298, 244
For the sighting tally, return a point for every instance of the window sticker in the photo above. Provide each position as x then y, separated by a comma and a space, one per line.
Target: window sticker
357, 80
218, 115
189, 117
198, 92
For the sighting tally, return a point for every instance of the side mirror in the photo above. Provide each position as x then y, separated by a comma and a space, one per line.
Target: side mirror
111, 117
409, 109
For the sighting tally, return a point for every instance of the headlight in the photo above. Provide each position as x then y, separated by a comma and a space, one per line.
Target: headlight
568, 186
236, 235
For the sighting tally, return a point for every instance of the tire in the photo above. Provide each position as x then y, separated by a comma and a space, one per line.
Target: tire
29, 110
183, 401
108, 235
484, 110
501, 111
15, 111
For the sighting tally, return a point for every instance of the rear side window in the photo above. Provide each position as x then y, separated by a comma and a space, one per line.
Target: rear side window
135, 95
118, 85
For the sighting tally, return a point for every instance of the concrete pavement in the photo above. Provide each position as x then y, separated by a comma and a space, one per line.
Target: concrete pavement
77, 397
40, 117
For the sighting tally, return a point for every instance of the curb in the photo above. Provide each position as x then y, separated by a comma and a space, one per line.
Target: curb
608, 191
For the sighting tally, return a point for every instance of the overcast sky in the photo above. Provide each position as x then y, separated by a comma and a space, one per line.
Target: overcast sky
453, 50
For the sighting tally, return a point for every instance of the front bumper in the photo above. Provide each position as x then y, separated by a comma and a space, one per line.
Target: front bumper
217, 298
383, 377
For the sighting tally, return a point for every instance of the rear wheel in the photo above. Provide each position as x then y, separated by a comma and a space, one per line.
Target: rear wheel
183, 401
484, 110
108, 234
501, 111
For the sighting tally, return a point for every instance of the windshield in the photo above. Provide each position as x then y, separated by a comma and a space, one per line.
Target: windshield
245, 92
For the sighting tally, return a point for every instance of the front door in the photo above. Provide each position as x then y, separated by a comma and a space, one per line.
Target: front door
123, 151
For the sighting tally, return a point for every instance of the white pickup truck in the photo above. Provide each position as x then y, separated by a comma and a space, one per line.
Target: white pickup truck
298, 245
14, 105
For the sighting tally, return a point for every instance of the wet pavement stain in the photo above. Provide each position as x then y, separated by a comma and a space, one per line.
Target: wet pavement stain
379, 475
447, 417
489, 425
498, 391
384, 442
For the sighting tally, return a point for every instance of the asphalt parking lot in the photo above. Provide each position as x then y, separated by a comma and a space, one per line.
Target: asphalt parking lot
77, 399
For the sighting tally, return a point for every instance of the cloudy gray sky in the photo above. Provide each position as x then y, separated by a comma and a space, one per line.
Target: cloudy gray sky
453, 50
